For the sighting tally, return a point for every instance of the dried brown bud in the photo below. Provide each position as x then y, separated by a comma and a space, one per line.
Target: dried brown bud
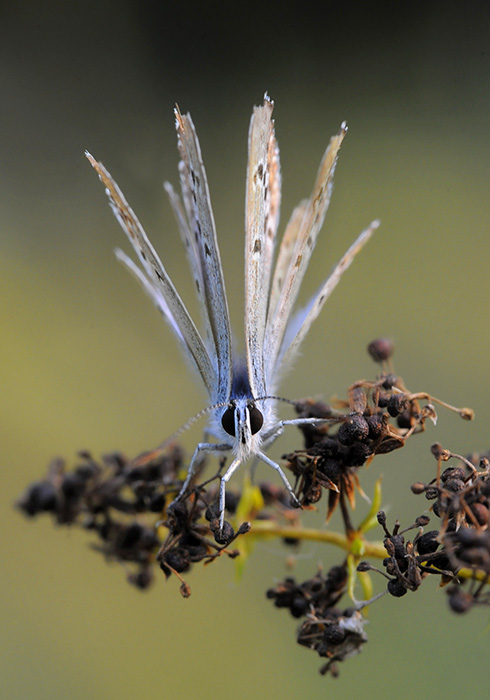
185, 590
381, 349
467, 413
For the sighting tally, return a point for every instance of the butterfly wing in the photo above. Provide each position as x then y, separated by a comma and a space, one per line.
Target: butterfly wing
286, 249
205, 254
261, 220
155, 280
193, 258
307, 234
300, 324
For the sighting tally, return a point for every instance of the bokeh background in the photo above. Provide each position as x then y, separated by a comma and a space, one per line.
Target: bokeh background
86, 362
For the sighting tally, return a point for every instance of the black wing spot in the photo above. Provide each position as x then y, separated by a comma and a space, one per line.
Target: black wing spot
195, 179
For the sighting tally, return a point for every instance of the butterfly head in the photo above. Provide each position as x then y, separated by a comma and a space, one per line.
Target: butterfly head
242, 420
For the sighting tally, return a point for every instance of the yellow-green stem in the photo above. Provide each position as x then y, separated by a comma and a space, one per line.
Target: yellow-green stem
267, 528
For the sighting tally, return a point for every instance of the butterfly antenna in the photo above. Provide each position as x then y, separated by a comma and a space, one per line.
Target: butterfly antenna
278, 398
333, 418
147, 457
292, 402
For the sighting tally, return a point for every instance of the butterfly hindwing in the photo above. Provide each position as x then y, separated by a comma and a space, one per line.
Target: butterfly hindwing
307, 234
300, 324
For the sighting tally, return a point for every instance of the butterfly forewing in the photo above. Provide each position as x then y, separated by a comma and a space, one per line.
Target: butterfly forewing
201, 222
153, 292
156, 276
261, 220
193, 258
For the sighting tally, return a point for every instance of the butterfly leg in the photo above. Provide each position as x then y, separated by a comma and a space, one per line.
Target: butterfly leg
201, 450
274, 433
277, 429
224, 480
283, 476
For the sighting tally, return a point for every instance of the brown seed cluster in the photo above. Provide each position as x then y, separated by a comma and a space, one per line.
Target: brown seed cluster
333, 633
460, 497
381, 416
112, 499
122, 502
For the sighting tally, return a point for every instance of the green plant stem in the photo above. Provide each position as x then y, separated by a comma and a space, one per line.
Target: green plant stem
267, 528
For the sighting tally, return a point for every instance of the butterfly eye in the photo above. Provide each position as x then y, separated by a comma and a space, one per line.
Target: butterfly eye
256, 418
228, 421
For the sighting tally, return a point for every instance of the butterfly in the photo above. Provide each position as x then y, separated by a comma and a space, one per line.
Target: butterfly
241, 389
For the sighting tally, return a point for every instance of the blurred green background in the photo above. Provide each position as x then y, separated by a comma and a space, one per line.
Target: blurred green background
86, 362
